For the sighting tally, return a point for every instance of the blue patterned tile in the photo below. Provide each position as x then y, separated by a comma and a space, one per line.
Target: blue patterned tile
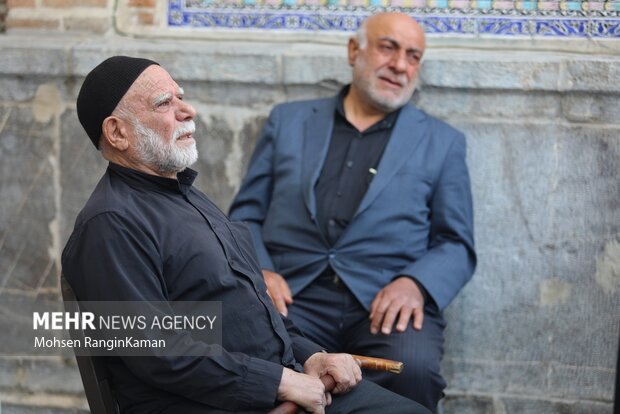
524, 20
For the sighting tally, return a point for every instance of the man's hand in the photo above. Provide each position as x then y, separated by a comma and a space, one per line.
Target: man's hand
342, 367
278, 291
402, 297
304, 390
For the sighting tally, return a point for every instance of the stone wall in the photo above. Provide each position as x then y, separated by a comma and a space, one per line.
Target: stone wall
536, 331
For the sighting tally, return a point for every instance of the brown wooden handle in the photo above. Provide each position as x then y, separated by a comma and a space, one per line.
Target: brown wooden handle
379, 364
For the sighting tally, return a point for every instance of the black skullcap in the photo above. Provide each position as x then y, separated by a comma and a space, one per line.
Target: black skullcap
103, 89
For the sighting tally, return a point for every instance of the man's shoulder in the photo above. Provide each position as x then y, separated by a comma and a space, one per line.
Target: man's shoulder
105, 200
299, 106
437, 127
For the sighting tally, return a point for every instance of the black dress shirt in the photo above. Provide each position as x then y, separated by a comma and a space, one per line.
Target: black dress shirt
147, 238
349, 167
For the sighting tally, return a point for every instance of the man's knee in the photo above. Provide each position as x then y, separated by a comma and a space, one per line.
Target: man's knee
420, 379
370, 398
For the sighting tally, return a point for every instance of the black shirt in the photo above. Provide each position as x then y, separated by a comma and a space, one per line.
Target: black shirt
350, 166
147, 238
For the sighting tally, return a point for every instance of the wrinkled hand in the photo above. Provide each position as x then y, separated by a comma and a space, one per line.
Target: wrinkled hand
400, 298
304, 390
342, 367
278, 291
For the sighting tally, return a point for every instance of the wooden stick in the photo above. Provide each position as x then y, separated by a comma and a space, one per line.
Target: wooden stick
379, 364
376, 364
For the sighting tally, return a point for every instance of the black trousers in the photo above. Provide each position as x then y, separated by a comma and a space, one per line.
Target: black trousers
366, 398
328, 313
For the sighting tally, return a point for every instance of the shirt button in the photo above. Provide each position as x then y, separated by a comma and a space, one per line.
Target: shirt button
332, 256
232, 262
349, 164
339, 193
331, 222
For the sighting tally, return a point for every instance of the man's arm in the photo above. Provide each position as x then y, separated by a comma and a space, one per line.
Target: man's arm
450, 260
112, 258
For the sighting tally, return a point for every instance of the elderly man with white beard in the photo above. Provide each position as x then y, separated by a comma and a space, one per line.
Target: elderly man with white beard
360, 209
147, 234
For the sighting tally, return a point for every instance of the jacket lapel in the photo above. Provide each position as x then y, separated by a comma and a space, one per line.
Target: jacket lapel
317, 134
406, 136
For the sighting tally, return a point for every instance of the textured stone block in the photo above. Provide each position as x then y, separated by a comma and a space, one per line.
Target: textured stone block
520, 324
532, 177
225, 140
595, 74
16, 312
17, 89
467, 404
491, 70
81, 167
33, 55
234, 94
582, 382
588, 107
52, 376
322, 90
28, 222
521, 406
547, 221
224, 62
451, 103
11, 373
301, 67
492, 377
8, 408
224, 67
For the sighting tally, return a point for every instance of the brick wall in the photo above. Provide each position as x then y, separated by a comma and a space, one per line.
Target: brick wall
88, 16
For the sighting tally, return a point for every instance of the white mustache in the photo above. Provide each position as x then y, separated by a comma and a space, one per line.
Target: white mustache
187, 127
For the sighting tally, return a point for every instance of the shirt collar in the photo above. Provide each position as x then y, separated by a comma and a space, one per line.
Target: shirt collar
182, 184
387, 122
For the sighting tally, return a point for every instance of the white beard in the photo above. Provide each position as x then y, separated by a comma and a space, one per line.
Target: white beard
165, 157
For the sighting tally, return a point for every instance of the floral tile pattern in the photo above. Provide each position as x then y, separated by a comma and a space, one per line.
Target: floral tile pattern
533, 18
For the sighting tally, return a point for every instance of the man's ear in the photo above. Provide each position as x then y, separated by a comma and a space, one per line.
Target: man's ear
353, 49
115, 132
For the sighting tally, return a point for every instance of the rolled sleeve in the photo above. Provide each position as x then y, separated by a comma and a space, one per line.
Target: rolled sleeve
261, 382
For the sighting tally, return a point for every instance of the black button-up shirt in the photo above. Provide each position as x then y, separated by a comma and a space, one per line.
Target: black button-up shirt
349, 167
147, 238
